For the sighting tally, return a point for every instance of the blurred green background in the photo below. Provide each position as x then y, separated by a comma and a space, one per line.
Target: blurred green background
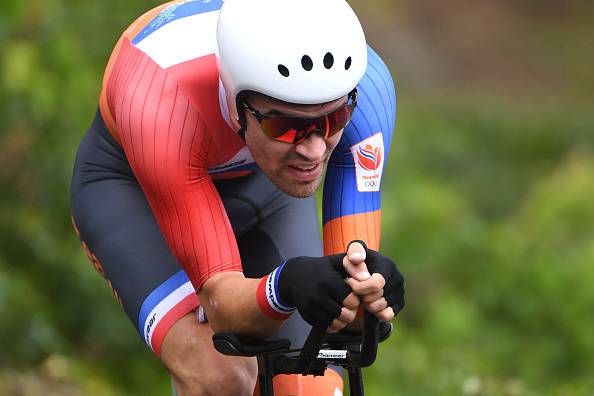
488, 203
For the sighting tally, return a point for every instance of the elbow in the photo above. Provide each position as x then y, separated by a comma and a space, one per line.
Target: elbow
223, 318
216, 312
230, 306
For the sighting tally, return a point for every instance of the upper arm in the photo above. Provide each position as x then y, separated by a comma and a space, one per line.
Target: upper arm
166, 142
352, 189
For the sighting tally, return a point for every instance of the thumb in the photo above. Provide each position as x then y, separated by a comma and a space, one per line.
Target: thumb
354, 261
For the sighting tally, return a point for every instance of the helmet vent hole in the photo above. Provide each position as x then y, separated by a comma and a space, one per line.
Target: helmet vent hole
307, 63
328, 60
347, 64
282, 69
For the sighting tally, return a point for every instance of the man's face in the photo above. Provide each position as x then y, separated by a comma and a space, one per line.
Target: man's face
296, 169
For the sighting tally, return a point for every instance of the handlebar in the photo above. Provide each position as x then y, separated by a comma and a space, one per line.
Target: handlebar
344, 349
349, 350
312, 349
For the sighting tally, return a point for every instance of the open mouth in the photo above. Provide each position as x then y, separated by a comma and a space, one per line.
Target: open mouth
306, 173
305, 169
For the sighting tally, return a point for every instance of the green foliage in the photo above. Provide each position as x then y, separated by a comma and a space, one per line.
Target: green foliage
487, 208
495, 236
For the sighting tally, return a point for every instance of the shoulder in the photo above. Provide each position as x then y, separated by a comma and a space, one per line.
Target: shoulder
177, 31
375, 116
376, 106
177, 41
171, 34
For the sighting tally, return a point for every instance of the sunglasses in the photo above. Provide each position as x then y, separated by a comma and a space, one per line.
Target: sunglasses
296, 129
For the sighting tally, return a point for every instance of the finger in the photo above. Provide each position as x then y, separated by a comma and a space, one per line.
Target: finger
347, 315
352, 301
336, 326
363, 288
372, 297
357, 269
326, 312
376, 306
385, 315
356, 253
370, 286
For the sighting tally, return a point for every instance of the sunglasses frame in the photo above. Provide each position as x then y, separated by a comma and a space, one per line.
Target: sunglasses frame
352, 97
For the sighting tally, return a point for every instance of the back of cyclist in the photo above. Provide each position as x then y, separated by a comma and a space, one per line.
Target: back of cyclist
192, 190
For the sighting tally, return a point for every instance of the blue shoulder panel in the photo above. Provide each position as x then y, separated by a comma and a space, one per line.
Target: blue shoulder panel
375, 112
177, 11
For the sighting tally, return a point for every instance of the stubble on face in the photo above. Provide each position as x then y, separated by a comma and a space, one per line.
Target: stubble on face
302, 191
275, 165
299, 189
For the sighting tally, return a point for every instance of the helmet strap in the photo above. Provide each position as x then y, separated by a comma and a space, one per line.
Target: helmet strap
241, 118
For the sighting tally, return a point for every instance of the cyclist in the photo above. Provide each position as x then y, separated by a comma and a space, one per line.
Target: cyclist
194, 184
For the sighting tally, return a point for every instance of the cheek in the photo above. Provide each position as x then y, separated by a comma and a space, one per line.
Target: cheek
333, 141
253, 139
265, 152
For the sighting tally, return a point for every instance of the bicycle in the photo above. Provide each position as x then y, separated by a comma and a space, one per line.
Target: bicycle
351, 351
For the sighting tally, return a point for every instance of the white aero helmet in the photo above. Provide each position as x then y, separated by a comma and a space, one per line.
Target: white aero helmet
297, 51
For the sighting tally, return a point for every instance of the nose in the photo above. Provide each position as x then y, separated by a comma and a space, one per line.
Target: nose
313, 148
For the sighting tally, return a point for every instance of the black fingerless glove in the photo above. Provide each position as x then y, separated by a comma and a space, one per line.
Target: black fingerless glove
316, 286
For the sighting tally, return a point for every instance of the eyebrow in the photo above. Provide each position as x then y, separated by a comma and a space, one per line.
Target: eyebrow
275, 113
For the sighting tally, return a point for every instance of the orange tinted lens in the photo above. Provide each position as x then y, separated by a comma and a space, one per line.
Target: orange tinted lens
287, 137
284, 128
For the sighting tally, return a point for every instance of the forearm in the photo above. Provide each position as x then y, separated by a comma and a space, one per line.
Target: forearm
230, 302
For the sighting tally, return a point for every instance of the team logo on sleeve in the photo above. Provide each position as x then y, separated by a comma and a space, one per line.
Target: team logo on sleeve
369, 158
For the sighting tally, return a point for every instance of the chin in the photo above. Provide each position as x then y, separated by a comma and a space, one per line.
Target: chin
298, 190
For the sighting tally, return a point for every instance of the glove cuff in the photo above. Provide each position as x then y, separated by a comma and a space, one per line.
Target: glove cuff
269, 299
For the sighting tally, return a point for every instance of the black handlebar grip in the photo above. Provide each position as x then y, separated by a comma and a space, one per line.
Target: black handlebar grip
317, 336
311, 349
370, 339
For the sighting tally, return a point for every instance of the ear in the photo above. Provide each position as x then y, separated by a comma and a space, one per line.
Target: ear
238, 115
229, 107
232, 111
